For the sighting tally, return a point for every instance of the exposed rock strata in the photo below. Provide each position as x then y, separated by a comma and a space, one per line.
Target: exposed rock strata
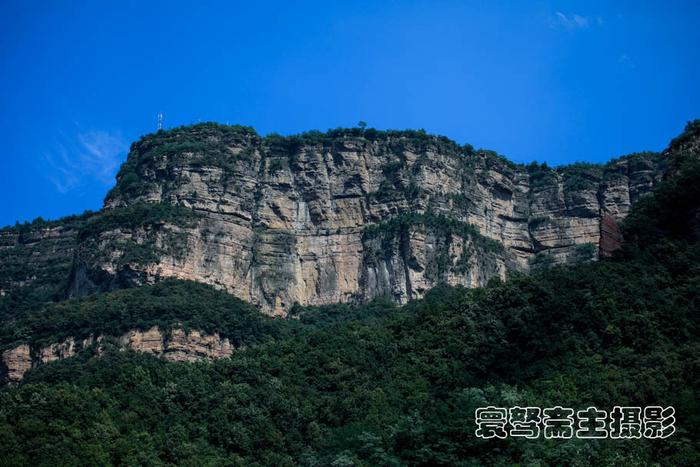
285, 223
178, 346
16, 361
276, 221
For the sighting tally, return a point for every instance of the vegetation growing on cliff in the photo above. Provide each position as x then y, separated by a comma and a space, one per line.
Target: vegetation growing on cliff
137, 215
197, 145
394, 388
671, 212
436, 223
209, 144
386, 388
588, 176
168, 304
137, 247
541, 175
378, 385
35, 259
238, 149
690, 133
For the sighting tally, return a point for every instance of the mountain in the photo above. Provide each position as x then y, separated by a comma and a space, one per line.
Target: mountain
350, 383
319, 218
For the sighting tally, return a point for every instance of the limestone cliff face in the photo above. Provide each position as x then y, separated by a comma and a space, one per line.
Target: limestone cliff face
177, 346
312, 219
16, 361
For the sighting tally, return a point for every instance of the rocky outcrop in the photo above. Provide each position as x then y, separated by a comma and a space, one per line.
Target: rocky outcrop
57, 351
16, 362
310, 219
178, 346
285, 220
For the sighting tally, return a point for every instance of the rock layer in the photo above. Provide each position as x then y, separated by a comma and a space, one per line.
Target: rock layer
177, 346
285, 220
17, 361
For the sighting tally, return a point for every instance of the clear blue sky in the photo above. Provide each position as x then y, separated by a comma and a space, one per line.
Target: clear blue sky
546, 80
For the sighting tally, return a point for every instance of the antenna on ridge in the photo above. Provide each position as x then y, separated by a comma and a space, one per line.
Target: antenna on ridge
160, 120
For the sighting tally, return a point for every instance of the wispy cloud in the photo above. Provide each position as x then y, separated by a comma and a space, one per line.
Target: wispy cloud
571, 22
84, 157
626, 61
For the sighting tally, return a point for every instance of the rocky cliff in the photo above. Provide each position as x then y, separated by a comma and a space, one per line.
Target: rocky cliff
35, 262
346, 215
341, 216
178, 346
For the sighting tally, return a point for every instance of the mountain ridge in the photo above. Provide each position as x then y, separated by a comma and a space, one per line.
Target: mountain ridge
312, 218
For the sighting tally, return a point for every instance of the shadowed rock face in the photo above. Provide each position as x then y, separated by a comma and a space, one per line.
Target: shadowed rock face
178, 346
36, 257
610, 235
313, 219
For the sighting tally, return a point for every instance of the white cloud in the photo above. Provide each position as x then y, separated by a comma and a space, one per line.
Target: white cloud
573, 21
626, 61
86, 156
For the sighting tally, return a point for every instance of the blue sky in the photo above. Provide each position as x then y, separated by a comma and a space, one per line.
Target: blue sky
548, 80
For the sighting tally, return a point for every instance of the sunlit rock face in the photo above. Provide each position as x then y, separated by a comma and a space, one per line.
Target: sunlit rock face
345, 216
16, 362
177, 345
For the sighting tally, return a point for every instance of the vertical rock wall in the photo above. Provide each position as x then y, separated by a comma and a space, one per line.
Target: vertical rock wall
281, 223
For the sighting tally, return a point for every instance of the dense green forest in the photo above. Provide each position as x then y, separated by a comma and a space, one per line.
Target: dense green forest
167, 304
377, 384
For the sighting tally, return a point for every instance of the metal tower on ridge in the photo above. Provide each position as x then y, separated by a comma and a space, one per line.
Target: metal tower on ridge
160, 120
